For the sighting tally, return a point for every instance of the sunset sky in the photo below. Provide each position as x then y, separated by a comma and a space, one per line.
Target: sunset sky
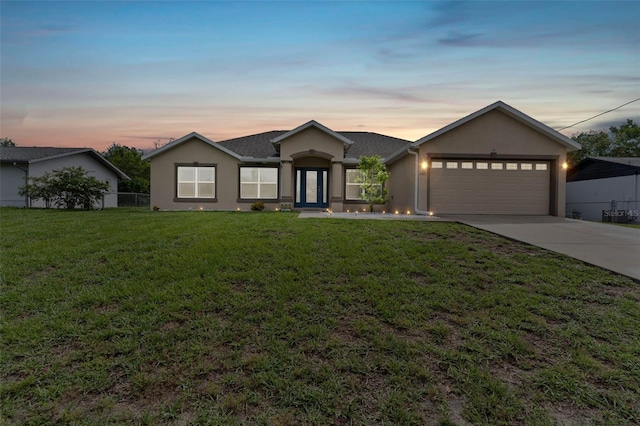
91, 73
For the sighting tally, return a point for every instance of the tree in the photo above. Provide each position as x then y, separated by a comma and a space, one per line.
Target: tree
129, 161
623, 141
6, 142
372, 177
68, 188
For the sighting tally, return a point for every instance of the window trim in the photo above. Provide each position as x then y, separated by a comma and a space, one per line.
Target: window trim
251, 199
178, 199
346, 183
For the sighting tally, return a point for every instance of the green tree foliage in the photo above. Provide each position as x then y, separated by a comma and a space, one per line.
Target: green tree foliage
372, 177
6, 142
129, 161
67, 188
623, 141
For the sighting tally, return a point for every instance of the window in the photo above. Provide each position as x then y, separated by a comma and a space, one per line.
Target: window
496, 166
526, 166
259, 182
196, 182
436, 164
353, 189
512, 166
452, 164
541, 166
466, 165
482, 166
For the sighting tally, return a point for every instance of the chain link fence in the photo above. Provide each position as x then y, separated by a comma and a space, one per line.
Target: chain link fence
132, 199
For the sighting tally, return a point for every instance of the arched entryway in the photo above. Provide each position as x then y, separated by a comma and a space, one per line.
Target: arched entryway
311, 182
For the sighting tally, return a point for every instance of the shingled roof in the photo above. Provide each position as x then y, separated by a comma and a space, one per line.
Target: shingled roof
364, 144
33, 154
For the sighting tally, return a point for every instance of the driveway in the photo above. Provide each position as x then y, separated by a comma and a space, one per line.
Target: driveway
612, 247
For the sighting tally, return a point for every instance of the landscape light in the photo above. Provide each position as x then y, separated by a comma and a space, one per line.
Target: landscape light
430, 213
397, 212
408, 211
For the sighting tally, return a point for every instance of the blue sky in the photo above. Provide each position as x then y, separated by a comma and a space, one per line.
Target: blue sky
90, 73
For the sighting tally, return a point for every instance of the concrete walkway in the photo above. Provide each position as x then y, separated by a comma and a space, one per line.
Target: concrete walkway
613, 247
374, 216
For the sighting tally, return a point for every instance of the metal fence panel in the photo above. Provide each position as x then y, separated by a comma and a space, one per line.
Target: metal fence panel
132, 199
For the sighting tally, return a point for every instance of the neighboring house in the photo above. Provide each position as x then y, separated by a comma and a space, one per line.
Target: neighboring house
598, 186
494, 161
20, 163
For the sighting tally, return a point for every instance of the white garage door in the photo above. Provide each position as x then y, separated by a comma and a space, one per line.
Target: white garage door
489, 187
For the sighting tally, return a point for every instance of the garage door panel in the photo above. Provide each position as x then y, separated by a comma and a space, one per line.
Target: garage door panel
489, 191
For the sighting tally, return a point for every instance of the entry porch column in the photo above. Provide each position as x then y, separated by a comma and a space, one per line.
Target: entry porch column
337, 185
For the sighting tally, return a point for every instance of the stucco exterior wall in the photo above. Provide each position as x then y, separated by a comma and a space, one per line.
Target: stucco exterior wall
401, 185
314, 140
11, 179
87, 162
590, 197
497, 135
164, 179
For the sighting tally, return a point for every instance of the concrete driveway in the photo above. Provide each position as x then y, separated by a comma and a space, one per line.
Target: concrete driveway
612, 247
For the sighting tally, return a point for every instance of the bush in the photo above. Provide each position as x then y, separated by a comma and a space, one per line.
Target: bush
68, 188
258, 206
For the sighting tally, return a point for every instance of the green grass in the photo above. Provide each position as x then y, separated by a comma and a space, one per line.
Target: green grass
128, 316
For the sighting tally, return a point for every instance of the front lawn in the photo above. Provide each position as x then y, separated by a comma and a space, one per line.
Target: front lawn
125, 316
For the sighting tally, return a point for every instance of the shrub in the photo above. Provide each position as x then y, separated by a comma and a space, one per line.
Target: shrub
69, 188
258, 206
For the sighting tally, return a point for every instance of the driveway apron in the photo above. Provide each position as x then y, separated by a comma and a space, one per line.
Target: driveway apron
613, 247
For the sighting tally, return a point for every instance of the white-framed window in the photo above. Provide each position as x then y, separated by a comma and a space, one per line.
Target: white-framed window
512, 166
526, 166
436, 164
259, 182
466, 165
541, 166
196, 182
496, 166
353, 188
482, 166
452, 164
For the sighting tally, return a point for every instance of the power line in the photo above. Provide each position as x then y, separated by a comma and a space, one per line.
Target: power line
598, 115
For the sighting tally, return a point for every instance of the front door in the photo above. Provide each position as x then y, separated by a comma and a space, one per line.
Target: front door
312, 187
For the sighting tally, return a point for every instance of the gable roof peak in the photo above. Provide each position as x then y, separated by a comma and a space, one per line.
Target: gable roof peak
568, 143
312, 123
185, 138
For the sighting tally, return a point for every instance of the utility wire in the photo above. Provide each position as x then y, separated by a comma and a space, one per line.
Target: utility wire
598, 115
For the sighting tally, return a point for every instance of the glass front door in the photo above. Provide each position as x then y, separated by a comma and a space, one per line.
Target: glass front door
312, 187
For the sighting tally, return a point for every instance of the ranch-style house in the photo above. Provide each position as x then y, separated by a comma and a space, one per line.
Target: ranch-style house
497, 160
